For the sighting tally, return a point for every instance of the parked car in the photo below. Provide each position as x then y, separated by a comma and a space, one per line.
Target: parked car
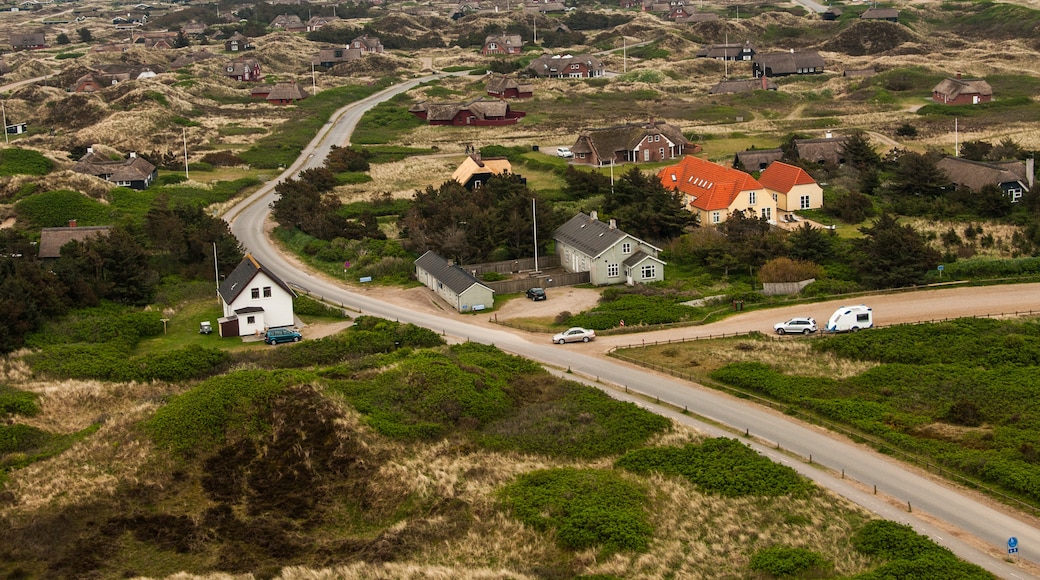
205, 327
575, 334
796, 325
276, 335
564, 152
536, 294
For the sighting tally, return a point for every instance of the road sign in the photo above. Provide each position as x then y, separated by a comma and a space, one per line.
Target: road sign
941, 267
1012, 545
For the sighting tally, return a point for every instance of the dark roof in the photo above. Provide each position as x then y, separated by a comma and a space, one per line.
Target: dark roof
607, 141
976, 174
758, 158
730, 51
499, 83
640, 256
743, 86
288, 91
239, 279
548, 64
132, 169
52, 239
454, 277
789, 62
589, 235
828, 149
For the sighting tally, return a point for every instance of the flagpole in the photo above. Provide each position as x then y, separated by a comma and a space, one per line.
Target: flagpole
534, 221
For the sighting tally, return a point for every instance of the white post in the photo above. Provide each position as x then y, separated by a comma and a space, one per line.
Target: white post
956, 140
611, 175
216, 274
184, 136
534, 218
314, 83
625, 52
7, 140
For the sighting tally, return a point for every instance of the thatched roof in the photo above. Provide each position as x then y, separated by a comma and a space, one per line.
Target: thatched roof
757, 159
790, 62
607, 141
826, 150
52, 239
287, 91
975, 174
133, 168
953, 88
742, 86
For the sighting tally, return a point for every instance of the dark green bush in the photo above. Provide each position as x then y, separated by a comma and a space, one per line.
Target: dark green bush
785, 562
723, 466
53, 208
17, 161
17, 402
585, 508
306, 306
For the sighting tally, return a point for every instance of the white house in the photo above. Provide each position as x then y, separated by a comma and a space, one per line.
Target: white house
609, 255
453, 284
254, 300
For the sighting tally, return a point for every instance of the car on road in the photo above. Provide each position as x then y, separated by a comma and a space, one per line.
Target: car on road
574, 334
536, 294
796, 326
276, 335
564, 152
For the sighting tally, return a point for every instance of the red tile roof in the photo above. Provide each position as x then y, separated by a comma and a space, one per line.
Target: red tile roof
709, 185
780, 176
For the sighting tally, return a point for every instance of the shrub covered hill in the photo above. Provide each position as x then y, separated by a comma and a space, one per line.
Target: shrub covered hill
382, 452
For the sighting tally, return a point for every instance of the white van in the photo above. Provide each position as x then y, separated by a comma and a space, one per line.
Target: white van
850, 319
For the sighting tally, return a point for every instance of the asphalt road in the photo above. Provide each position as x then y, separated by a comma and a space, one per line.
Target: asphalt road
982, 530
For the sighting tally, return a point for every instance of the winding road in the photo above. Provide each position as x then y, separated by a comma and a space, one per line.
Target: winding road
973, 527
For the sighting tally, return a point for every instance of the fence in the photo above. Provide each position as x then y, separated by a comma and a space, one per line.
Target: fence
879, 444
553, 280
513, 266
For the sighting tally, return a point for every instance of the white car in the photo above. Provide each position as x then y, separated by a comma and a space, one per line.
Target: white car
564, 152
796, 325
575, 334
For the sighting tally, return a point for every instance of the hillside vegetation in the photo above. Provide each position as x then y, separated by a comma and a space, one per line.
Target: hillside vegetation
381, 452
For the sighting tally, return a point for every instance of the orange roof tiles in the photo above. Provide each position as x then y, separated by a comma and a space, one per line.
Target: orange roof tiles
709, 185
780, 176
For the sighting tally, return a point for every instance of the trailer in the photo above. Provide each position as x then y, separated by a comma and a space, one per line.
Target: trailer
850, 319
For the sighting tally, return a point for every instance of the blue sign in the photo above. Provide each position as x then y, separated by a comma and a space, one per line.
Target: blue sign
1012, 545
365, 279
941, 267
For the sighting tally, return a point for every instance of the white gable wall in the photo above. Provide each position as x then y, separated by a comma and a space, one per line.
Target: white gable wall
264, 293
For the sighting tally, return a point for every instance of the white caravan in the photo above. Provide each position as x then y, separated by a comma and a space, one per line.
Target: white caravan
850, 319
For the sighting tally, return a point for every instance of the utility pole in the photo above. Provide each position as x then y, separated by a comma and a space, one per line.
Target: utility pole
7, 140
534, 221
184, 137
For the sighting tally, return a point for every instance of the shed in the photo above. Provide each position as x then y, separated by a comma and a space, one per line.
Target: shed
454, 285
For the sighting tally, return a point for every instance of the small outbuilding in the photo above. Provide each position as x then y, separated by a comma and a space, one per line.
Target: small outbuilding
454, 285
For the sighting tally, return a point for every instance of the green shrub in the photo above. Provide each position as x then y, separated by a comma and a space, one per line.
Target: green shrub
190, 362
199, 166
384, 123
785, 561
55, 208
198, 420
585, 508
723, 466
17, 402
16, 161
307, 306
171, 179
352, 178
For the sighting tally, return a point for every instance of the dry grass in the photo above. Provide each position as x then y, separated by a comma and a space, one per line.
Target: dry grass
1002, 233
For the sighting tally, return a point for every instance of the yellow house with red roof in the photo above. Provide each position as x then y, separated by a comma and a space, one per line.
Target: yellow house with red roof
714, 191
792, 188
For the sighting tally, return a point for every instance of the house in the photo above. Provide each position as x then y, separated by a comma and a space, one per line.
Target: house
859, 72
832, 13
260, 91
502, 44
133, 172
194, 29
507, 87
157, 39
567, 66
609, 255
191, 58
289, 23
474, 172
328, 57
286, 93
731, 51
454, 285
253, 300
742, 86
775, 64
1014, 178
238, 42
52, 239
756, 159
316, 23
543, 6
889, 14
828, 150
480, 113
791, 187
366, 43
961, 91
632, 143
243, 69
16, 128
713, 192
28, 40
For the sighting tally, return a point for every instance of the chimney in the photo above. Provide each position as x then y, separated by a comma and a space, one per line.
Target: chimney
792, 51
613, 224
763, 82
828, 135
90, 149
133, 154
72, 223
958, 75
1030, 168
593, 215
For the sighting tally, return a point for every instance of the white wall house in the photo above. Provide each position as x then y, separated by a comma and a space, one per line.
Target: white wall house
609, 255
454, 285
254, 299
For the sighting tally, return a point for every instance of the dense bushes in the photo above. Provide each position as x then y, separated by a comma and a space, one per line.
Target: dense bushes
910, 554
723, 466
17, 402
15, 161
785, 561
111, 361
634, 309
586, 508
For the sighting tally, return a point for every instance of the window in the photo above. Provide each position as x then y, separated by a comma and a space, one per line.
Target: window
254, 293
476, 184
267, 291
767, 213
626, 247
584, 268
803, 202
775, 198
575, 67
613, 270
657, 137
716, 217
661, 152
492, 46
250, 320
751, 197
646, 155
648, 271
